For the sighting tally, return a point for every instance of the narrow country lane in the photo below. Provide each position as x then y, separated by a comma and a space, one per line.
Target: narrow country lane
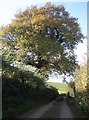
65, 111
55, 109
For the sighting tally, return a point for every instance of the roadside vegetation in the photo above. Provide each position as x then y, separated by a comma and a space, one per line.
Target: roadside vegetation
79, 104
44, 38
22, 90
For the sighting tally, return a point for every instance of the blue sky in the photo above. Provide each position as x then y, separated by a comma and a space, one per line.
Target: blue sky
76, 8
79, 10
9, 7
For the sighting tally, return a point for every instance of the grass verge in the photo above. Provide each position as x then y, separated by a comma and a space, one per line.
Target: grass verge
14, 110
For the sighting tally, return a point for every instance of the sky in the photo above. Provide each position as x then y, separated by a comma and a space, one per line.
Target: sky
76, 8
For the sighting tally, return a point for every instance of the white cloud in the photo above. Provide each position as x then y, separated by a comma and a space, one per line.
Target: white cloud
81, 52
6, 16
73, 0
9, 7
22, 3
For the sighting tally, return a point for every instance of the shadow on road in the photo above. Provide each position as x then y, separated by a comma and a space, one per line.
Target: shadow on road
55, 109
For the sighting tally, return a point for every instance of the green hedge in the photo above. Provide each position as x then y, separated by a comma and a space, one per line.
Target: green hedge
17, 95
79, 105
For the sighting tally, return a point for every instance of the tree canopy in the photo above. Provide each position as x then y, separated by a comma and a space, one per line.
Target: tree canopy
43, 37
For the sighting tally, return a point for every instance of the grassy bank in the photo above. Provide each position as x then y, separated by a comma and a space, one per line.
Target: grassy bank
14, 110
22, 91
62, 87
19, 97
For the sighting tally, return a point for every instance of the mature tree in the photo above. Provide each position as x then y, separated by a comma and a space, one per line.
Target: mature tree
43, 37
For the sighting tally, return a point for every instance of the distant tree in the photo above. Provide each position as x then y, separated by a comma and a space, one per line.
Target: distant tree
43, 37
71, 84
72, 87
64, 80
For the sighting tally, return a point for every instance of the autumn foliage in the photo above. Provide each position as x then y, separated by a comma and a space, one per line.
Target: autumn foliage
43, 37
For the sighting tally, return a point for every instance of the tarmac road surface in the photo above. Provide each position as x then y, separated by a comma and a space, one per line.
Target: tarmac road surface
54, 109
